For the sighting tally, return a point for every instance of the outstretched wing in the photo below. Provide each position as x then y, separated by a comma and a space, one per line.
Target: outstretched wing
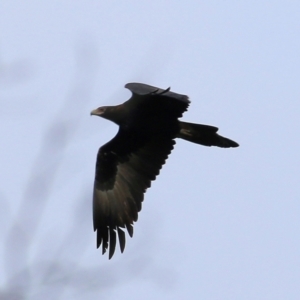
128, 163
145, 89
121, 181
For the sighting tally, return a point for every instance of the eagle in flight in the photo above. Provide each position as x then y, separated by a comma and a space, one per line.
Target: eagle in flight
126, 165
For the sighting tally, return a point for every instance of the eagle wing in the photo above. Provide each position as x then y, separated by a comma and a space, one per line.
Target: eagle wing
128, 163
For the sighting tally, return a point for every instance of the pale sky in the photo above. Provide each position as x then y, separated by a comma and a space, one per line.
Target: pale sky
217, 224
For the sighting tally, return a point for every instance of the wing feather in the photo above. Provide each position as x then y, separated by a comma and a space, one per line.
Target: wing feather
122, 240
112, 241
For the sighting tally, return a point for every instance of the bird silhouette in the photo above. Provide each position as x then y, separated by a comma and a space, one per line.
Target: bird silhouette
126, 165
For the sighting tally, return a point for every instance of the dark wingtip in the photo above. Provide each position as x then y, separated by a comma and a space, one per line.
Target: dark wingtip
122, 240
111, 234
129, 229
112, 242
103, 248
102, 238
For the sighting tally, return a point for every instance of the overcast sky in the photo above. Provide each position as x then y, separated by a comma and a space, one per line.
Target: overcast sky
217, 223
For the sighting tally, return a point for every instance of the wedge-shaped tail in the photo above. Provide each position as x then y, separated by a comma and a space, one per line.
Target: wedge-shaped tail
204, 135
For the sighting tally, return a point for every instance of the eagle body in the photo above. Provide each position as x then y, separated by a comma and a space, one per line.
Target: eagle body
126, 165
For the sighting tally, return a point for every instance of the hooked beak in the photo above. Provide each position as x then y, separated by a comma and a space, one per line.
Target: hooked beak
95, 112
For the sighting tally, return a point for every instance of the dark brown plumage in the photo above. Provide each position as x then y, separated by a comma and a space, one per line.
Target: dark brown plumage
126, 165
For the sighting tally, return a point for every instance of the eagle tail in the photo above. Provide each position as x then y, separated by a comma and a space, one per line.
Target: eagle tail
204, 135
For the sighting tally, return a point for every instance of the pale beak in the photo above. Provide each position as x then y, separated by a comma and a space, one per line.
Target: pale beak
95, 112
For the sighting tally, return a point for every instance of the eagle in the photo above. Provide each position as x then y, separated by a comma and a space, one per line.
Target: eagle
126, 165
